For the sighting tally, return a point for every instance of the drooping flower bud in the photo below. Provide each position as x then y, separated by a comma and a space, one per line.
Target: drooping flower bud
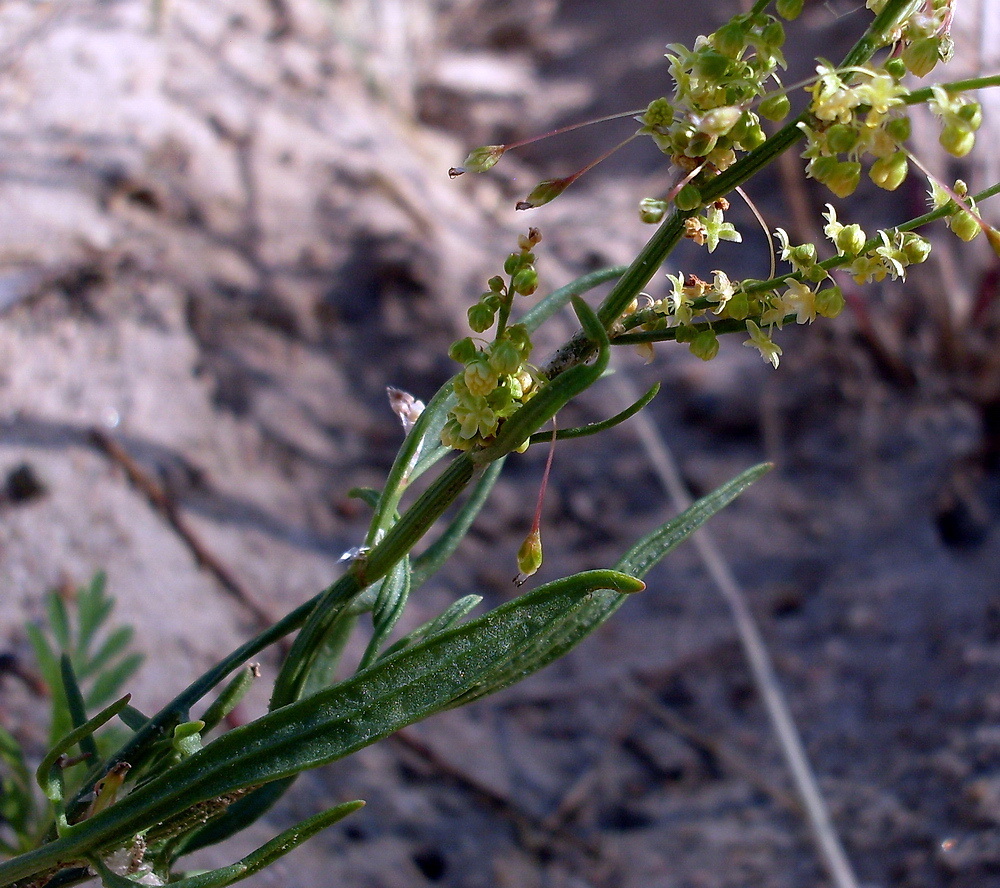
652, 210
529, 556
775, 108
889, 172
688, 198
922, 55
830, 302
705, 345
956, 141
850, 239
525, 281
479, 160
841, 138
844, 179
542, 193
789, 9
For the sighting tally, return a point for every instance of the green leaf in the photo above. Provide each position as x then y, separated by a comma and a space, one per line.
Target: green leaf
392, 597
93, 608
111, 680
558, 299
229, 698
594, 427
55, 609
443, 621
17, 802
116, 642
77, 708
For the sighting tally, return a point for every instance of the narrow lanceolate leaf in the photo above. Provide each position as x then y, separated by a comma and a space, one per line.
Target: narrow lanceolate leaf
576, 623
393, 693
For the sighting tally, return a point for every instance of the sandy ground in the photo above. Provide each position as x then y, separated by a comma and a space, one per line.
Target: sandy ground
227, 227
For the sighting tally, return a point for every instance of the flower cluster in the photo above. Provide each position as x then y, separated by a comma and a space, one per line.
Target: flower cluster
924, 36
708, 119
496, 380
961, 219
890, 256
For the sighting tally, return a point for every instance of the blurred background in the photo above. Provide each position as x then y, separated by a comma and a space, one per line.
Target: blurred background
227, 226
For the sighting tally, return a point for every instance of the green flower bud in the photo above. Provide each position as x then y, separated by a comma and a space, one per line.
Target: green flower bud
512, 263
712, 65
495, 283
479, 160
739, 306
921, 56
688, 198
971, 114
850, 240
686, 333
889, 172
775, 108
841, 138
730, 39
700, 144
659, 113
480, 378
480, 317
463, 351
519, 336
754, 138
705, 345
525, 281
789, 9
720, 121
916, 249
773, 35
964, 226
822, 168
815, 274
895, 68
747, 121
803, 255
529, 556
899, 128
491, 300
542, 193
652, 210
505, 357
956, 141
845, 178
830, 302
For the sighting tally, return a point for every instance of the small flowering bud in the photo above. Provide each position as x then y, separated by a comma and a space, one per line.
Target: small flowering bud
773, 35
720, 121
775, 108
529, 556
512, 263
705, 345
841, 138
505, 357
542, 193
739, 306
700, 145
803, 256
525, 281
479, 160
730, 38
816, 274
956, 141
971, 114
921, 56
916, 249
830, 302
711, 65
789, 9
519, 336
463, 351
480, 317
747, 121
850, 240
895, 68
845, 178
534, 236
686, 333
822, 168
889, 172
964, 226
899, 128
688, 198
754, 138
495, 284
480, 377
659, 113
652, 210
